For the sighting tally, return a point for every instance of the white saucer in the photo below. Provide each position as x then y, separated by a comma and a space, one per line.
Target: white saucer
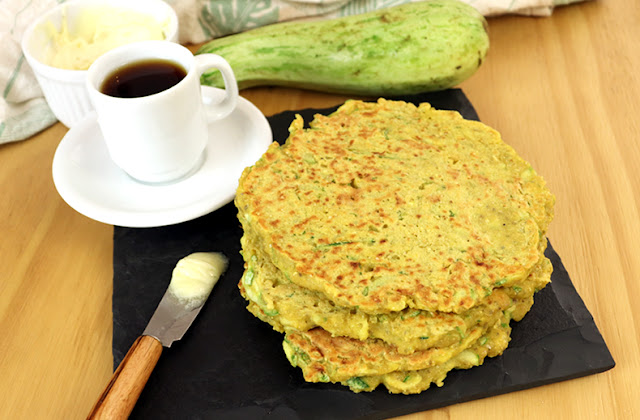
93, 185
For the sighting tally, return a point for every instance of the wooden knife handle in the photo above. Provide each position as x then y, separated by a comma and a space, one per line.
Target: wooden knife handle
122, 392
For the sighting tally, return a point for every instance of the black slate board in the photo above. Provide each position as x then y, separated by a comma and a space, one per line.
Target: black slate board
231, 365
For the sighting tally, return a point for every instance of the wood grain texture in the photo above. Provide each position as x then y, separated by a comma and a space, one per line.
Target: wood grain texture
122, 392
564, 91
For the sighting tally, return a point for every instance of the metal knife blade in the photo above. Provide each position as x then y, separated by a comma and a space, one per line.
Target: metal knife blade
171, 320
192, 281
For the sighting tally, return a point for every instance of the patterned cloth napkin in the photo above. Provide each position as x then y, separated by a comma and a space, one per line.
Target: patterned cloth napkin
24, 111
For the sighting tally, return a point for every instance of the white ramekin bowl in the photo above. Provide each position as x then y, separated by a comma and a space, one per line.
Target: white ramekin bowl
63, 89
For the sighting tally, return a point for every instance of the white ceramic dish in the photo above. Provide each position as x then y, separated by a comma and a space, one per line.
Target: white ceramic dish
65, 90
93, 185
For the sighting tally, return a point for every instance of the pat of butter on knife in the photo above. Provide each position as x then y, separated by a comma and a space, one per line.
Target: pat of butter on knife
195, 275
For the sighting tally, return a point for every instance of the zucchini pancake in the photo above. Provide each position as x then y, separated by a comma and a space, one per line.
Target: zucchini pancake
392, 243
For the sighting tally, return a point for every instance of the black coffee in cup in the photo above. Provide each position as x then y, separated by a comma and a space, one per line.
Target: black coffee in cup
143, 78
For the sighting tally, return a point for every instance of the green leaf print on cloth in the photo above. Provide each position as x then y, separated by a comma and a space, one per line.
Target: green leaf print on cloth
222, 17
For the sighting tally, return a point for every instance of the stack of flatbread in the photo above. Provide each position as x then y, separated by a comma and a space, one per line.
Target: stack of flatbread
392, 243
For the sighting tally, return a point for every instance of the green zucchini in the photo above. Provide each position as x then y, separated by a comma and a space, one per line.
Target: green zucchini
415, 47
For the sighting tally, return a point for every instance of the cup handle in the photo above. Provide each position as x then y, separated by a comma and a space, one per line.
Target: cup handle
218, 110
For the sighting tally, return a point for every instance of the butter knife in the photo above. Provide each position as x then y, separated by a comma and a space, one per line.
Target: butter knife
191, 283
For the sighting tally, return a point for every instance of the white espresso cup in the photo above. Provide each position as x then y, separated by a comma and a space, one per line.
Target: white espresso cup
160, 137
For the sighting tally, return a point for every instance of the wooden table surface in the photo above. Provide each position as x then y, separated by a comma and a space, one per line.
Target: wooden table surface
564, 91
